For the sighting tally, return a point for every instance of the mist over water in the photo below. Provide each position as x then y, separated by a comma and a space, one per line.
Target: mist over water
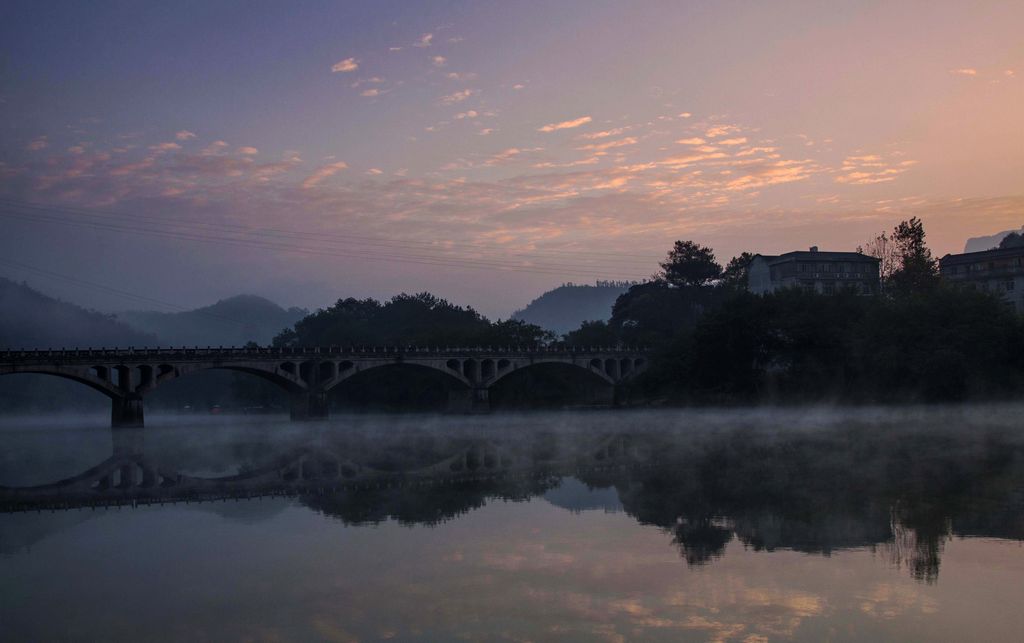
809, 523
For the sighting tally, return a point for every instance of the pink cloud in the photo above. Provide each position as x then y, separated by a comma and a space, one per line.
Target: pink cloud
457, 97
323, 172
39, 143
160, 148
346, 65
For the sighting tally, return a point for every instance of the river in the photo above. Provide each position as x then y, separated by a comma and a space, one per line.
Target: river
726, 525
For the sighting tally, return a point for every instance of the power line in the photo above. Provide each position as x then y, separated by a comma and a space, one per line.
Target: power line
112, 291
318, 235
546, 268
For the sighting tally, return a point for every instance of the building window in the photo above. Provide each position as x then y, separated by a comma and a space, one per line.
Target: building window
1009, 285
829, 289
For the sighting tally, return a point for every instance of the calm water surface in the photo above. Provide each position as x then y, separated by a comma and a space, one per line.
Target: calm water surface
729, 526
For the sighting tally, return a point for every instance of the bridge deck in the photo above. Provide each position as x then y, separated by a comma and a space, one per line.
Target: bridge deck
212, 352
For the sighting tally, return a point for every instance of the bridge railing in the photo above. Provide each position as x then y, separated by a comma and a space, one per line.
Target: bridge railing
267, 351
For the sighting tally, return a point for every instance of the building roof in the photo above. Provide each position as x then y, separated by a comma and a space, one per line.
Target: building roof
984, 255
817, 255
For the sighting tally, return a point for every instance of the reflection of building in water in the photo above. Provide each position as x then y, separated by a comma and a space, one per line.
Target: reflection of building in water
999, 271
818, 271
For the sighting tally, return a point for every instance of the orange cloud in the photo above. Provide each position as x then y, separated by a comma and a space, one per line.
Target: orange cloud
629, 140
867, 169
721, 130
604, 134
552, 127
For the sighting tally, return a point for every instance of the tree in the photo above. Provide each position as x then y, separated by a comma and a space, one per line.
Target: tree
917, 268
735, 273
592, 333
884, 249
516, 332
1012, 240
421, 319
690, 264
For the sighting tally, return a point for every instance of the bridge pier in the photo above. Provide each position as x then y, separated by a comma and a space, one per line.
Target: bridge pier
309, 406
126, 411
470, 400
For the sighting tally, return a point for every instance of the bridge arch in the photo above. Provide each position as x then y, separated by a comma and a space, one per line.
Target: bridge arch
289, 383
104, 386
552, 382
590, 368
347, 371
411, 384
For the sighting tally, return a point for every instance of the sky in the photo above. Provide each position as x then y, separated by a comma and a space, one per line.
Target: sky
162, 155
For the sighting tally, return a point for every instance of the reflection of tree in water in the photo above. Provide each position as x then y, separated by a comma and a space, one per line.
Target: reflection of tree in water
829, 491
700, 540
899, 491
423, 505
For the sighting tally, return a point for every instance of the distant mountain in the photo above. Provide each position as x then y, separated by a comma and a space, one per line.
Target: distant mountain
30, 319
229, 322
566, 307
978, 244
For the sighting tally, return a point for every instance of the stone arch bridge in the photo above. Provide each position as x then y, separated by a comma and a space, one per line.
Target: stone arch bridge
308, 374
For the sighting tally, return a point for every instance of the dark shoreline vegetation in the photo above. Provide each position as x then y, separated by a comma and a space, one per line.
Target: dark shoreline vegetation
920, 339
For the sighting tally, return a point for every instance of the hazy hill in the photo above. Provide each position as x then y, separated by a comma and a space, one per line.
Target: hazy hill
30, 319
978, 244
566, 307
229, 322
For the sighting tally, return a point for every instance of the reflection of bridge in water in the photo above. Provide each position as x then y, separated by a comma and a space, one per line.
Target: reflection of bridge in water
308, 374
131, 477
810, 493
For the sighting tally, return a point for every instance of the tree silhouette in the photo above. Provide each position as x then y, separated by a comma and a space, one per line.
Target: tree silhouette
917, 268
690, 264
1012, 240
735, 273
884, 249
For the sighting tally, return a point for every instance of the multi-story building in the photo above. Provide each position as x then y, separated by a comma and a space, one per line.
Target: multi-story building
823, 272
1000, 271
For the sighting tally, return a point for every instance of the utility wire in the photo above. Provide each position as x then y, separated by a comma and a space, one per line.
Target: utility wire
319, 236
17, 265
546, 268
